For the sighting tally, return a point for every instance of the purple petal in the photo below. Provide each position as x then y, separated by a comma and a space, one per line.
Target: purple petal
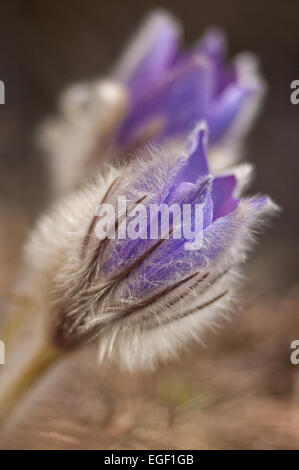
259, 202
149, 55
159, 266
225, 109
197, 163
177, 262
178, 103
213, 45
222, 191
263, 204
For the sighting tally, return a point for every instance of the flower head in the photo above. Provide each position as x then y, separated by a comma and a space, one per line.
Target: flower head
171, 90
156, 92
144, 297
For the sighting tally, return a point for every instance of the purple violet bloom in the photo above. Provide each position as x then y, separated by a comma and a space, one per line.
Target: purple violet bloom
187, 180
144, 296
156, 93
170, 90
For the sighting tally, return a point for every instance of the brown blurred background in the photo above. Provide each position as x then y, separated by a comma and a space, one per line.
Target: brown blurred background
46, 45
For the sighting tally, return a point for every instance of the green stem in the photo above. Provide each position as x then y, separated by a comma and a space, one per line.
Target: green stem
31, 372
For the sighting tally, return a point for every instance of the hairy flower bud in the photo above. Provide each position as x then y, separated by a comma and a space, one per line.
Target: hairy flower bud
143, 298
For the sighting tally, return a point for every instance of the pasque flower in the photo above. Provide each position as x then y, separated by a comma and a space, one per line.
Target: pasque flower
140, 298
143, 297
170, 90
155, 92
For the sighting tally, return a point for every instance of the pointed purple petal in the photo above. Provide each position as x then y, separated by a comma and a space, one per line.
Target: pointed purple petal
213, 45
223, 187
149, 55
197, 163
225, 109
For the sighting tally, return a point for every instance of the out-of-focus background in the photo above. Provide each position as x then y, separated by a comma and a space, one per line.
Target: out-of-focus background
240, 390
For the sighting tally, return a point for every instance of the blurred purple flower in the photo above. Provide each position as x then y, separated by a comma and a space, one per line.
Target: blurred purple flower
171, 90
124, 290
156, 92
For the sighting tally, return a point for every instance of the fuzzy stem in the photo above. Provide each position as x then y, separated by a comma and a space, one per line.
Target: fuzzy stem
31, 372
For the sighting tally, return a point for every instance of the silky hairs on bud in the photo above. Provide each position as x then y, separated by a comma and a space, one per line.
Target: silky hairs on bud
143, 300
